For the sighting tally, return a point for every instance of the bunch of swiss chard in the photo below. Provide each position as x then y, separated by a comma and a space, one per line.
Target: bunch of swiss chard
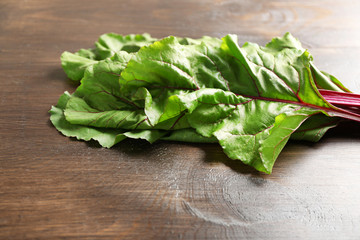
249, 99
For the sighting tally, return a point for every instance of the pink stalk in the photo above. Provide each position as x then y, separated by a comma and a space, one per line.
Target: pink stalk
345, 100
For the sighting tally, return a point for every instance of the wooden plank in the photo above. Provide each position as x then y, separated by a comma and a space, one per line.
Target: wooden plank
53, 187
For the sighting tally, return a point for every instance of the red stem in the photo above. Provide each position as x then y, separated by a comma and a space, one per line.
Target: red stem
345, 100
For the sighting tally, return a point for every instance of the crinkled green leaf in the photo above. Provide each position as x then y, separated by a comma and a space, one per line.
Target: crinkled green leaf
168, 68
216, 113
106, 137
188, 135
90, 53
100, 86
111, 43
249, 99
315, 127
75, 65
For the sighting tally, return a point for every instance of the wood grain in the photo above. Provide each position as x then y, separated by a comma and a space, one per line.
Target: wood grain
53, 187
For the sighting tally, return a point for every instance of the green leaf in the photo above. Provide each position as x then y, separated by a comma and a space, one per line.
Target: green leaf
111, 43
314, 128
100, 86
75, 65
246, 128
168, 68
188, 135
249, 99
90, 53
106, 137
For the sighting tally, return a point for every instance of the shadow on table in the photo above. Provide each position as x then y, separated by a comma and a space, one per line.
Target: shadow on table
345, 129
214, 153
57, 74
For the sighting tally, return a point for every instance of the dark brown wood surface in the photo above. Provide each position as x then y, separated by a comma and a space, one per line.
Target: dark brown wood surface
53, 187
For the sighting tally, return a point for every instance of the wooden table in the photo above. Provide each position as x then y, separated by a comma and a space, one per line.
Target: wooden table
52, 187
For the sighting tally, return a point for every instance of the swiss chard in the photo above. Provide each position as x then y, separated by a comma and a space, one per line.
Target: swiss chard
249, 99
